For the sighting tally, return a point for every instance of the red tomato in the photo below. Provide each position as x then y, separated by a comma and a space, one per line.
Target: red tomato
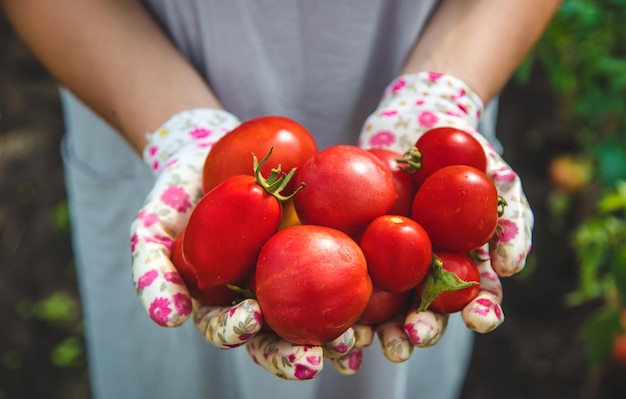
445, 146
435, 285
292, 145
383, 306
398, 252
458, 207
346, 188
228, 227
311, 283
218, 295
405, 187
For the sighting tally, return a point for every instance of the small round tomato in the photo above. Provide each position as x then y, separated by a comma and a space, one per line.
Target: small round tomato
405, 187
346, 188
292, 144
398, 252
458, 207
439, 293
383, 306
311, 283
444, 146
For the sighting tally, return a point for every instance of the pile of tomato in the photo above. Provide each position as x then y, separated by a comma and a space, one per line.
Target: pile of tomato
324, 239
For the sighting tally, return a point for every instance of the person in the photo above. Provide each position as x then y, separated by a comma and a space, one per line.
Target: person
148, 86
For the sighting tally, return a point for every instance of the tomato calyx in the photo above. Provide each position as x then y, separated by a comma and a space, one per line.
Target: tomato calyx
411, 161
276, 181
438, 281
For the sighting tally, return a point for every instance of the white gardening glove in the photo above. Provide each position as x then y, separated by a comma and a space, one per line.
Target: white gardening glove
411, 105
176, 154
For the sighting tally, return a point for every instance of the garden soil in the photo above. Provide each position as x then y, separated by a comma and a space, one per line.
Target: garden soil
537, 353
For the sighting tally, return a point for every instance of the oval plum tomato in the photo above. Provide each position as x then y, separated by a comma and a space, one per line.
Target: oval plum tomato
458, 207
230, 224
292, 144
453, 283
398, 252
346, 188
383, 306
444, 146
311, 283
218, 295
405, 187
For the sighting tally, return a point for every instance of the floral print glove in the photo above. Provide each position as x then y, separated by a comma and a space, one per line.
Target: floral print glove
412, 104
175, 153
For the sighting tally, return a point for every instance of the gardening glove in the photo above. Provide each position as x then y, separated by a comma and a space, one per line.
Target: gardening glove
411, 105
176, 153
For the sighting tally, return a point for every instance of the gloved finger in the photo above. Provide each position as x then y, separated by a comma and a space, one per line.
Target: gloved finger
229, 326
513, 239
158, 284
284, 359
350, 362
394, 341
340, 345
484, 313
425, 328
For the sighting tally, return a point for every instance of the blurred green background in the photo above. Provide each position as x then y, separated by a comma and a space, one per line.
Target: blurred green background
563, 126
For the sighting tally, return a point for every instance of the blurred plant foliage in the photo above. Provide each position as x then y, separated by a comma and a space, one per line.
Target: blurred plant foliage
583, 53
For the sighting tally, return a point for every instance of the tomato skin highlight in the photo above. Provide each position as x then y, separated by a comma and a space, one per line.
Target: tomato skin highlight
346, 188
292, 144
383, 306
458, 207
454, 301
227, 229
311, 283
405, 186
398, 252
446, 146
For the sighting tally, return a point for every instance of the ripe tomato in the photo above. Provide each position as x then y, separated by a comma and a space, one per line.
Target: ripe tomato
217, 295
405, 187
346, 188
292, 145
458, 207
444, 146
383, 306
228, 227
398, 252
311, 283
441, 291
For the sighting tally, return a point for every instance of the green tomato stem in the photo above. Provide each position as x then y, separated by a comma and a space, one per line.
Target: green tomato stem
438, 281
276, 181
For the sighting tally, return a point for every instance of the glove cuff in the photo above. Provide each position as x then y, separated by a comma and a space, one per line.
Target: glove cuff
438, 99
197, 128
